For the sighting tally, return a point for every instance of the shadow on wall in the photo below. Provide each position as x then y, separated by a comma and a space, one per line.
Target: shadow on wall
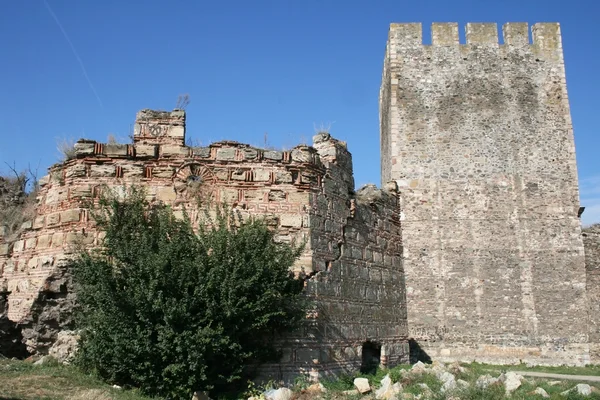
417, 353
11, 337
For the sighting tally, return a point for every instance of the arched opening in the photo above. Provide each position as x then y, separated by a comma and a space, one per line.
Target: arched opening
371, 355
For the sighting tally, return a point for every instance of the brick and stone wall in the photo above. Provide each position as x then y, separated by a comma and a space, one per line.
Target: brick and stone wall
351, 262
478, 137
591, 242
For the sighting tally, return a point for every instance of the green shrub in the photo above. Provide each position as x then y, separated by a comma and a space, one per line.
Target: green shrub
170, 310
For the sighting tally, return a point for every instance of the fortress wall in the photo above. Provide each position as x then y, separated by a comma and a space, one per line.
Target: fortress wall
591, 241
351, 262
357, 281
478, 137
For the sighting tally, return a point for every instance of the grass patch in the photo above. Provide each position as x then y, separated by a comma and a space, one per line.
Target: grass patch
589, 370
21, 380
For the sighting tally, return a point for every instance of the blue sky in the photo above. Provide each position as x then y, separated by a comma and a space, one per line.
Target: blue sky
251, 68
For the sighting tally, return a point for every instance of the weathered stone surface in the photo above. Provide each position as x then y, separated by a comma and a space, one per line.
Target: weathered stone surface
115, 150
226, 154
387, 390
591, 242
512, 381
174, 150
273, 155
478, 138
261, 175
65, 346
362, 385
541, 392
102, 170
203, 152
279, 394
145, 150
84, 148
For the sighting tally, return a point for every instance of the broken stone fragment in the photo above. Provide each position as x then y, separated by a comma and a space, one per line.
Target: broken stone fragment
387, 390
279, 394
512, 381
362, 385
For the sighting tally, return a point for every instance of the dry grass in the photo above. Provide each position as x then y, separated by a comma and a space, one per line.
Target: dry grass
16, 206
21, 380
66, 148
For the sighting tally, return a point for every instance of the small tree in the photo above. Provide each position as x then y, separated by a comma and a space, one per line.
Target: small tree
171, 311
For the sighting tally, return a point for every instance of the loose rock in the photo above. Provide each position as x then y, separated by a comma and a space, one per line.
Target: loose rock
512, 381
485, 380
279, 394
419, 367
65, 347
584, 389
541, 392
388, 391
362, 385
448, 382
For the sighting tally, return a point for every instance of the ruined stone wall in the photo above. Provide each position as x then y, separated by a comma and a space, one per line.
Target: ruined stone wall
358, 280
481, 146
351, 261
591, 242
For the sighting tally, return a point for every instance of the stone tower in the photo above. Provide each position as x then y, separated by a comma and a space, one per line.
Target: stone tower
478, 137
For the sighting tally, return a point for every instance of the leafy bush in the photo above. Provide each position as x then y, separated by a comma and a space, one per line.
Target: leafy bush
170, 310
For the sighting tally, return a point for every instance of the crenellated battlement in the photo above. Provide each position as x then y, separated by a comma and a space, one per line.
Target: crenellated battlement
545, 36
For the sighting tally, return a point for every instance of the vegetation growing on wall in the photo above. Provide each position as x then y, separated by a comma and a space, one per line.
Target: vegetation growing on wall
172, 311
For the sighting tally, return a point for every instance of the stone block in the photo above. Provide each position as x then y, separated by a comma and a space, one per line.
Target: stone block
84, 149
43, 241
45, 262
238, 175
19, 245
276, 195
250, 154
70, 216
5, 249
290, 220
226, 154
132, 171
165, 194
262, 175
27, 225
203, 152
79, 238
102, 170
176, 131
76, 170
165, 172
3, 230
145, 150
56, 195
78, 192
299, 197
58, 239
229, 195
172, 150
273, 155
115, 150
283, 177
52, 219
32, 263
221, 174
30, 243
302, 155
